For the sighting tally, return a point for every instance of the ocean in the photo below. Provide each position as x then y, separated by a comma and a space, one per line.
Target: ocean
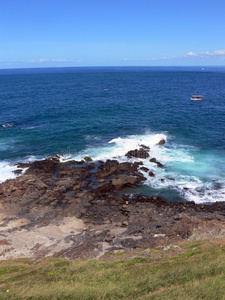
104, 112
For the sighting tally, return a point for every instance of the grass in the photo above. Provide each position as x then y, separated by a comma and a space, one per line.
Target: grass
196, 273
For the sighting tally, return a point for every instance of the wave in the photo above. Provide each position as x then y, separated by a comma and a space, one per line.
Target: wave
6, 171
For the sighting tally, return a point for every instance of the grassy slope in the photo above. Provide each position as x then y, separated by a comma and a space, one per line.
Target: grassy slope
196, 272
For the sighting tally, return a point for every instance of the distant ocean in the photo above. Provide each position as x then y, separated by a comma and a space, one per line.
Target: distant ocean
105, 112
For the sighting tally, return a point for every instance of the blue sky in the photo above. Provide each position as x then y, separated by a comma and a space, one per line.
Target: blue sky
60, 33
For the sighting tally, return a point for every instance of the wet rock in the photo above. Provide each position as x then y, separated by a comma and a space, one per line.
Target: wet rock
161, 142
88, 158
153, 160
144, 169
18, 172
145, 147
141, 153
160, 165
23, 165
43, 166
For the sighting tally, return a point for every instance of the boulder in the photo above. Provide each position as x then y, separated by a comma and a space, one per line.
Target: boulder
161, 142
153, 160
138, 153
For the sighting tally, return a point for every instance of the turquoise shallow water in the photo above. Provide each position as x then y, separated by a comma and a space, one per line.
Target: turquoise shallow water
78, 111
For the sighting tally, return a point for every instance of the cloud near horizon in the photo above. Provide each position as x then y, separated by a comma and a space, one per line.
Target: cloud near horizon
207, 54
48, 60
217, 53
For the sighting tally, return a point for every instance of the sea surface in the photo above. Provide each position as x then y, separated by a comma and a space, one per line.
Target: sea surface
105, 112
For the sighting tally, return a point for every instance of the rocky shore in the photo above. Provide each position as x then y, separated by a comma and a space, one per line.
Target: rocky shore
80, 210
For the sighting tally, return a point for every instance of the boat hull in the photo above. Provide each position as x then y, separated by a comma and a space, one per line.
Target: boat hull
196, 97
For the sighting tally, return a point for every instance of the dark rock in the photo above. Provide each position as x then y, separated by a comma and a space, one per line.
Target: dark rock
145, 147
87, 158
23, 165
18, 172
122, 181
129, 243
161, 142
160, 165
144, 169
40, 166
141, 153
153, 160
151, 174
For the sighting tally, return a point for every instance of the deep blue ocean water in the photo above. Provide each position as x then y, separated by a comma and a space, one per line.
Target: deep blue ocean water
105, 112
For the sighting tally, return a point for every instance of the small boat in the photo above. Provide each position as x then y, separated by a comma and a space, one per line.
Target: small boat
7, 125
197, 97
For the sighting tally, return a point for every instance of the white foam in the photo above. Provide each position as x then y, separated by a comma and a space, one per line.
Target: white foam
6, 171
118, 147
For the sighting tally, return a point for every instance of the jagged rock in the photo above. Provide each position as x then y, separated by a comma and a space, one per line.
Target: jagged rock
160, 165
141, 153
40, 166
145, 147
153, 160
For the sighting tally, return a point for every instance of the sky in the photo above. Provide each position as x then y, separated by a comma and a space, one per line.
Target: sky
76, 33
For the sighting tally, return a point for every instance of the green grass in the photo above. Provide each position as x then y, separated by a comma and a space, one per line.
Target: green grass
196, 273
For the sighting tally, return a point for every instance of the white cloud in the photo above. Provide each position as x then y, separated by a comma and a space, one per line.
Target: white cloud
192, 54
48, 60
126, 59
217, 53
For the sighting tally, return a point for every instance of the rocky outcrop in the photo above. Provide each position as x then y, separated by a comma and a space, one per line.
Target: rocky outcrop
82, 210
138, 153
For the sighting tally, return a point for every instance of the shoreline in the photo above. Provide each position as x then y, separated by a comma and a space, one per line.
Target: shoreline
78, 210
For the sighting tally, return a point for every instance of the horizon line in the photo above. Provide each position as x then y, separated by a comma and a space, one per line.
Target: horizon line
118, 66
